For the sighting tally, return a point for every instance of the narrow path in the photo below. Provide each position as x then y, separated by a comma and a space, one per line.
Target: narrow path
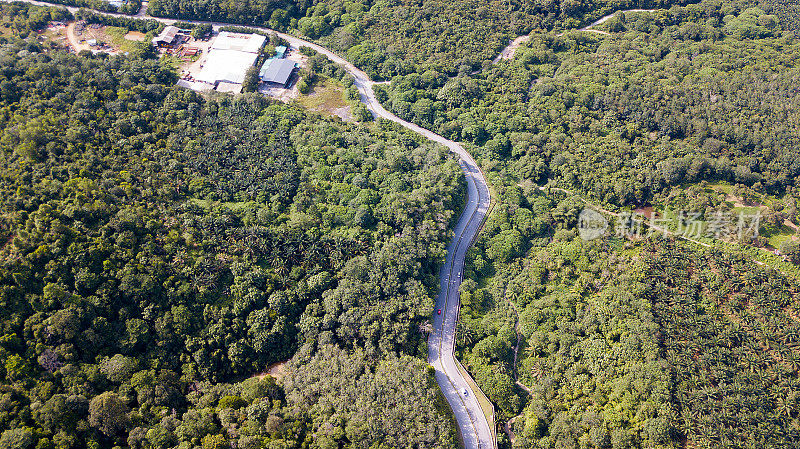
606, 18
508, 52
143, 9
511, 436
473, 425
511, 49
73, 40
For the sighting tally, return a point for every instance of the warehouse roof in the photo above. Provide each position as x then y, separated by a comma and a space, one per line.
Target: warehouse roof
226, 65
277, 71
249, 43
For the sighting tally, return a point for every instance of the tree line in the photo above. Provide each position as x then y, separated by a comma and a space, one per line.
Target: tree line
628, 117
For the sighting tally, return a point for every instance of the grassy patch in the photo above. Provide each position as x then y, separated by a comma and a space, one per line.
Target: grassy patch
117, 37
776, 240
723, 187
745, 210
234, 206
776, 235
760, 255
326, 96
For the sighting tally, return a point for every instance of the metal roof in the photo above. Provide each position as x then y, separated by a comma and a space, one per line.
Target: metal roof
265, 66
249, 43
226, 65
167, 35
278, 71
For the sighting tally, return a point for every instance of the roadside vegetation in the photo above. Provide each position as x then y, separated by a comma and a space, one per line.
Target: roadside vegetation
326, 87
128, 6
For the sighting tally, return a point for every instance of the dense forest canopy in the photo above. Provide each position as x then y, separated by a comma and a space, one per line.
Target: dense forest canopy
130, 7
703, 92
788, 12
398, 37
616, 344
159, 248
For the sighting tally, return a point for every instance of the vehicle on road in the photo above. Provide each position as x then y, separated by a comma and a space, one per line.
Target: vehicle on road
465, 391
438, 311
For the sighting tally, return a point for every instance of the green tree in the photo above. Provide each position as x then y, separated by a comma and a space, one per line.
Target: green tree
250, 83
791, 249
22, 438
303, 87
108, 413
505, 246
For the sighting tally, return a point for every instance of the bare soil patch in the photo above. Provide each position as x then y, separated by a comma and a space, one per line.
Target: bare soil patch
508, 52
135, 36
276, 370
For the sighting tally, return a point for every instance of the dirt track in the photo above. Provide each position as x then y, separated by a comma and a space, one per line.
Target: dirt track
508, 52
75, 40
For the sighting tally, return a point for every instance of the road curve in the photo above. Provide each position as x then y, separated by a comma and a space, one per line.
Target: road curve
474, 427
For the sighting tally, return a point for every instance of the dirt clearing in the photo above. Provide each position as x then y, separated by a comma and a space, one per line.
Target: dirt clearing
327, 96
91, 37
135, 36
508, 52
276, 370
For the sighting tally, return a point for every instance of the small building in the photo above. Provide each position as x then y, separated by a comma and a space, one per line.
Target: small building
280, 51
166, 37
277, 71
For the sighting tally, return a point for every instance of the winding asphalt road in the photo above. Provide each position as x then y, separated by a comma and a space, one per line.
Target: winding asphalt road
474, 427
